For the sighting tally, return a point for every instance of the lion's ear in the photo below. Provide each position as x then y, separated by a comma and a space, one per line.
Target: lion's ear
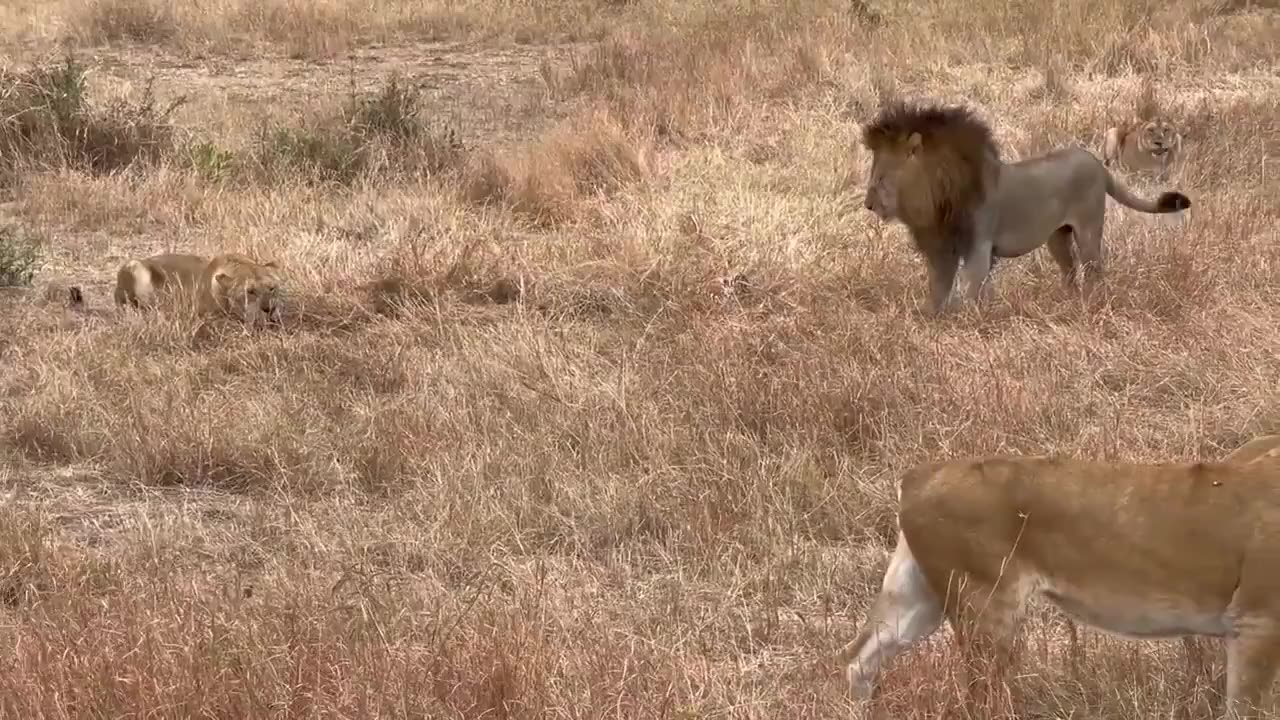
913, 143
272, 264
223, 279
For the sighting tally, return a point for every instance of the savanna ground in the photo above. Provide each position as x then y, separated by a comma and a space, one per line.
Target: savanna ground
516, 452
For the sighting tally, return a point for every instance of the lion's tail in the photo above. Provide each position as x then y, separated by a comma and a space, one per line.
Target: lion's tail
1168, 202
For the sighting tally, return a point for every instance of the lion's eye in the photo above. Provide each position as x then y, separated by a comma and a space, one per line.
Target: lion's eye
252, 291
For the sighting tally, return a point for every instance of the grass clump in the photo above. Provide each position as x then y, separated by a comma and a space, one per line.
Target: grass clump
19, 256
382, 132
588, 159
128, 21
47, 121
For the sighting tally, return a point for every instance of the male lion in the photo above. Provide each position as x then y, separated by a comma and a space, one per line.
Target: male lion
231, 283
938, 170
1138, 550
1150, 146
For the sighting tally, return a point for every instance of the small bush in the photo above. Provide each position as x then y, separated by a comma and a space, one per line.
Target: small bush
381, 132
18, 258
321, 154
47, 121
393, 111
210, 161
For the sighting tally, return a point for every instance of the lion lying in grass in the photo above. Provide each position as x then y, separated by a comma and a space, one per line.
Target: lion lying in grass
231, 283
1147, 146
1138, 550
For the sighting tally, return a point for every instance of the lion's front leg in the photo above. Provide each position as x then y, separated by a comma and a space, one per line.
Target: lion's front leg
977, 270
942, 278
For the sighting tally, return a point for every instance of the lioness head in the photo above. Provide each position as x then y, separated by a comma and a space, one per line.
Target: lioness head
1157, 137
254, 291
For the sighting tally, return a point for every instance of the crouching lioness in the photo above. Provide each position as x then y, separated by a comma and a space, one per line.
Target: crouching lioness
231, 283
1138, 550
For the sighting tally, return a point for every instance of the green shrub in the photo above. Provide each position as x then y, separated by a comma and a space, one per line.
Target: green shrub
48, 121
19, 255
211, 162
383, 131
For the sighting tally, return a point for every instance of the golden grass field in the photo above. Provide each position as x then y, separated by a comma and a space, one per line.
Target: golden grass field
515, 453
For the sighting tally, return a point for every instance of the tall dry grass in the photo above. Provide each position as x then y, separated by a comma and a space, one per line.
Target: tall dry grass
520, 450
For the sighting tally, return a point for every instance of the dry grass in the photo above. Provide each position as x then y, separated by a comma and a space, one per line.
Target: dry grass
323, 28
515, 453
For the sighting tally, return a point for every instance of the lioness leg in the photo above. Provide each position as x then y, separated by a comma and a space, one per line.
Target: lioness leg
1073, 635
905, 612
985, 625
1253, 657
134, 286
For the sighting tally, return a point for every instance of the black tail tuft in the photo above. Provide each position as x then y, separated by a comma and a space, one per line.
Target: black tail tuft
75, 296
1172, 202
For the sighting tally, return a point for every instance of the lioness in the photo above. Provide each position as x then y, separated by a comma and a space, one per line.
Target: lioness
1263, 447
1138, 550
1259, 449
938, 170
1150, 146
231, 282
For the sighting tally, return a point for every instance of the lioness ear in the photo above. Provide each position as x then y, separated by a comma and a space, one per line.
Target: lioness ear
271, 264
913, 143
223, 279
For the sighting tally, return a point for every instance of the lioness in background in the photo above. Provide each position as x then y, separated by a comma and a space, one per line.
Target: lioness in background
1149, 146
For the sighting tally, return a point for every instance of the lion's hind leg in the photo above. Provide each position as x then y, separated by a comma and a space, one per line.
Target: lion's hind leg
134, 284
1088, 236
905, 612
1060, 247
1086, 263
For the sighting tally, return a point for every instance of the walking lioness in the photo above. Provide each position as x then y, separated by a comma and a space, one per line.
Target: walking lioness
1139, 550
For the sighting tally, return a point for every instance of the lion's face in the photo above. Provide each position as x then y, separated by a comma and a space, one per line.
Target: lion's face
1158, 137
893, 167
253, 291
